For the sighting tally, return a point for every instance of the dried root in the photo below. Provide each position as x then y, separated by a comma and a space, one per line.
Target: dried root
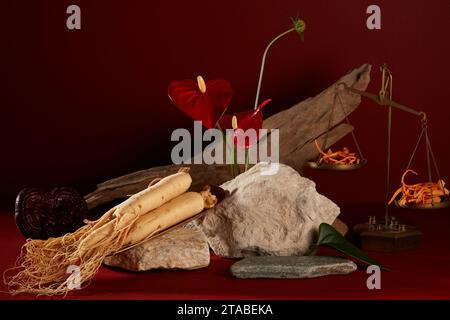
339, 157
420, 193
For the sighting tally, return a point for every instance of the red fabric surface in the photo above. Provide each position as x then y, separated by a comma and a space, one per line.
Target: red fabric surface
418, 274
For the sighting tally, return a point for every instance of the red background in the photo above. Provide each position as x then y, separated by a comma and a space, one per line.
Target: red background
80, 107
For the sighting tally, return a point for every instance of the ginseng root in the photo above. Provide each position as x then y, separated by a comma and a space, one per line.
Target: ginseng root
43, 264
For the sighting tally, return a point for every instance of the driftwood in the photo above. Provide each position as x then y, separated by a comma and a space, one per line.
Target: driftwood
299, 126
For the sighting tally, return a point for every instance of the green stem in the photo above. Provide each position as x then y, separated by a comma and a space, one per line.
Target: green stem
236, 165
263, 62
247, 152
227, 150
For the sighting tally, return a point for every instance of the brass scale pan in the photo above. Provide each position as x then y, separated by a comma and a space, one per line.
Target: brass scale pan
445, 203
336, 167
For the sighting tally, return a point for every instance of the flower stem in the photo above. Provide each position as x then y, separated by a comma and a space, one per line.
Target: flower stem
247, 152
263, 62
236, 165
227, 149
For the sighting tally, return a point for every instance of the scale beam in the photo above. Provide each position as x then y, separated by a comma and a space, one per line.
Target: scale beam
385, 101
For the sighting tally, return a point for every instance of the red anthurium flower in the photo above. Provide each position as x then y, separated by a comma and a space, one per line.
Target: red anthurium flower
202, 101
251, 120
225, 121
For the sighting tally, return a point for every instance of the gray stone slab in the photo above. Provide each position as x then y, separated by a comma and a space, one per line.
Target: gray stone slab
291, 267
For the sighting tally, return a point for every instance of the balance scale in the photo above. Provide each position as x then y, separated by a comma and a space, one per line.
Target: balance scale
388, 235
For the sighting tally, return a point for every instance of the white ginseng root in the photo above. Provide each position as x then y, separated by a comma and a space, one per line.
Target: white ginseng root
169, 214
138, 204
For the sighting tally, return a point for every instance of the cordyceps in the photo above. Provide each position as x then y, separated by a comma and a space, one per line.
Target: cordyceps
420, 193
43, 264
338, 157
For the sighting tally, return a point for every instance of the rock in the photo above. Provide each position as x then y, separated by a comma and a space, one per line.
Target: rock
267, 214
291, 267
181, 248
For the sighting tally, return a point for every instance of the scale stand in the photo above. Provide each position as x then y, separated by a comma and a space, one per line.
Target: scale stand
373, 236
390, 235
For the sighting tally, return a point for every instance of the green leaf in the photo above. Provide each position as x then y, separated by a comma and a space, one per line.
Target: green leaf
328, 236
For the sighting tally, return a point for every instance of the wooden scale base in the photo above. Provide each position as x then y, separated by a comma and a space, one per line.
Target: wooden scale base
391, 237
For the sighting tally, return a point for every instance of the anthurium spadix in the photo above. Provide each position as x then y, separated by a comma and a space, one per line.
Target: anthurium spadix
250, 121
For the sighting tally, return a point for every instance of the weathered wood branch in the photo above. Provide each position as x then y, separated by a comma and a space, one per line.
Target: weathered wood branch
298, 126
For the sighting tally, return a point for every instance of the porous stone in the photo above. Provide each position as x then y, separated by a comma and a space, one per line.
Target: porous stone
293, 267
181, 248
264, 214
